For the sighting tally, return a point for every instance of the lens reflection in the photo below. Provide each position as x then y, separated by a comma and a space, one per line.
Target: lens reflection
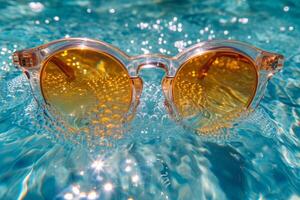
211, 89
87, 87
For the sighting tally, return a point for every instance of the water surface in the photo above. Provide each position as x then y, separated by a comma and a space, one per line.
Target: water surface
158, 159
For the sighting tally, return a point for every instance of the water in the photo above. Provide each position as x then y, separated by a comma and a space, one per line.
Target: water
157, 159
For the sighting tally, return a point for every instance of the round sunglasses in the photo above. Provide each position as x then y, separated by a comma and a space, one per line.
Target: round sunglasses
207, 86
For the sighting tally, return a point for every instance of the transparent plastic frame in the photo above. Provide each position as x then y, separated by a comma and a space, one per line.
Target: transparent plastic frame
31, 61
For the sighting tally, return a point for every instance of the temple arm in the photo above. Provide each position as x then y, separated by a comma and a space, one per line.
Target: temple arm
210, 61
68, 71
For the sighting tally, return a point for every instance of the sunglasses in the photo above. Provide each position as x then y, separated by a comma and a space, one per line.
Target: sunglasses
207, 87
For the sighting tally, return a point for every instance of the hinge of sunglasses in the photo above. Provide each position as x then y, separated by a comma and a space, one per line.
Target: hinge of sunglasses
271, 62
25, 59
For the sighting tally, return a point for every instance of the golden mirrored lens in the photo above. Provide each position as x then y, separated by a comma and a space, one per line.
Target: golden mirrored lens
86, 86
213, 88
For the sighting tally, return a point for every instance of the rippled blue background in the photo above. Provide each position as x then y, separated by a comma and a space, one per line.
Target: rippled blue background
157, 159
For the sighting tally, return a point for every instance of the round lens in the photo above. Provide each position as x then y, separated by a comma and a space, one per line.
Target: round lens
86, 86
211, 89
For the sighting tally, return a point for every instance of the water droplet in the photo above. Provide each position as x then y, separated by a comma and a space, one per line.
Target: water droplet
68, 196
92, 195
56, 18
36, 6
291, 28
222, 21
108, 187
282, 28
286, 9
244, 20
76, 190
135, 178
112, 11
233, 20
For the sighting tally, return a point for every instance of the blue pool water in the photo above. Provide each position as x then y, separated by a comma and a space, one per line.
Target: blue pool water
157, 159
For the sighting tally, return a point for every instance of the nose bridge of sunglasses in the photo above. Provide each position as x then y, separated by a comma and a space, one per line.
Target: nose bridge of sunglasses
153, 65
152, 61
152, 71
157, 72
